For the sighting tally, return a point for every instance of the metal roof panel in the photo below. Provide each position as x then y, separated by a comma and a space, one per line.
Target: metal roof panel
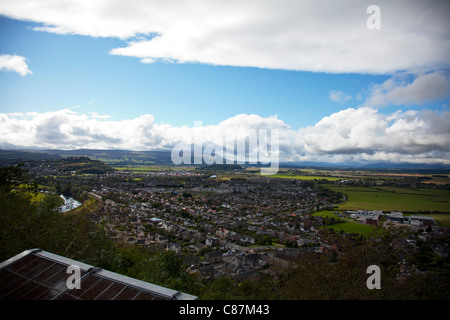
40, 275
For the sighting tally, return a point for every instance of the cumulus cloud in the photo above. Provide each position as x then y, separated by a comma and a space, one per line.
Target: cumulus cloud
401, 90
366, 134
14, 63
321, 36
67, 129
362, 134
365, 130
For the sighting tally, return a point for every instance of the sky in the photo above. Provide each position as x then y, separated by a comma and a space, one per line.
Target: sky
341, 80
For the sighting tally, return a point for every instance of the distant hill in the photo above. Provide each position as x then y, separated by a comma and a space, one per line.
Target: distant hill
28, 155
127, 157
119, 157
405, 165
365, 166
82, 165
316, 164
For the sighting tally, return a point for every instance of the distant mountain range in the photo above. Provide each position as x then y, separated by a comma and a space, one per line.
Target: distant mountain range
127, 157
365, 165
28, 155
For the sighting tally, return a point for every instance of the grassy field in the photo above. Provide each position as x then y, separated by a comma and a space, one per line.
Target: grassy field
394, 199
347, 226
304, 177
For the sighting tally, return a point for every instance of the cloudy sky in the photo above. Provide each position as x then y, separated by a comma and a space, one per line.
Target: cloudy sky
340, 82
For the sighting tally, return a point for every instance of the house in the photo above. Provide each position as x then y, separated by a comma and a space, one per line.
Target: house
230, 267
283, 257
246, 239
175, 247
161, 239
222, 233
207, 271
199, 246
373, 219
214, 257
212, 242
248, 260
302, 242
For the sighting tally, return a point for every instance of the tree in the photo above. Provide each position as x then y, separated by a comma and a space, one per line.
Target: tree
11, 177
164, 268
222, 288
27, 224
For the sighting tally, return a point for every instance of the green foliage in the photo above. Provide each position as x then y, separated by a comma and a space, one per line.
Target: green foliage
11, 177
265, 241
164, 268
27, 224
222, 288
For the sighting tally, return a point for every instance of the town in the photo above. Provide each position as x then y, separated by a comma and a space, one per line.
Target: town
225, 223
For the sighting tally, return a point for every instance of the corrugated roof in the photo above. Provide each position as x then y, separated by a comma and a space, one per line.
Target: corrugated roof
39, 275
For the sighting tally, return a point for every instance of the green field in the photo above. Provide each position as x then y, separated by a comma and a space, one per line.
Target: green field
347, 225
304, 177
394, 199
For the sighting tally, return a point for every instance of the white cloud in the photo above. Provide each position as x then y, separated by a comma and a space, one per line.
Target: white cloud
321, 36
66, 129
95, 115
14, 63
362, 134
365, 133
400, 90
339, 96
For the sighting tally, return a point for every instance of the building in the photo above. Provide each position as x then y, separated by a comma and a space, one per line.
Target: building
373, 219
396, 217
39, 275
214, 257
421, 221
212, 242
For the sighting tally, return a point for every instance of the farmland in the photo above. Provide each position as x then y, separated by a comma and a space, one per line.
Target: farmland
305, 177
442, 219
393, 199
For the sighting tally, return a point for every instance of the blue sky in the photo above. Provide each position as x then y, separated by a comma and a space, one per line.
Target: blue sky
102, 64
78, 71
